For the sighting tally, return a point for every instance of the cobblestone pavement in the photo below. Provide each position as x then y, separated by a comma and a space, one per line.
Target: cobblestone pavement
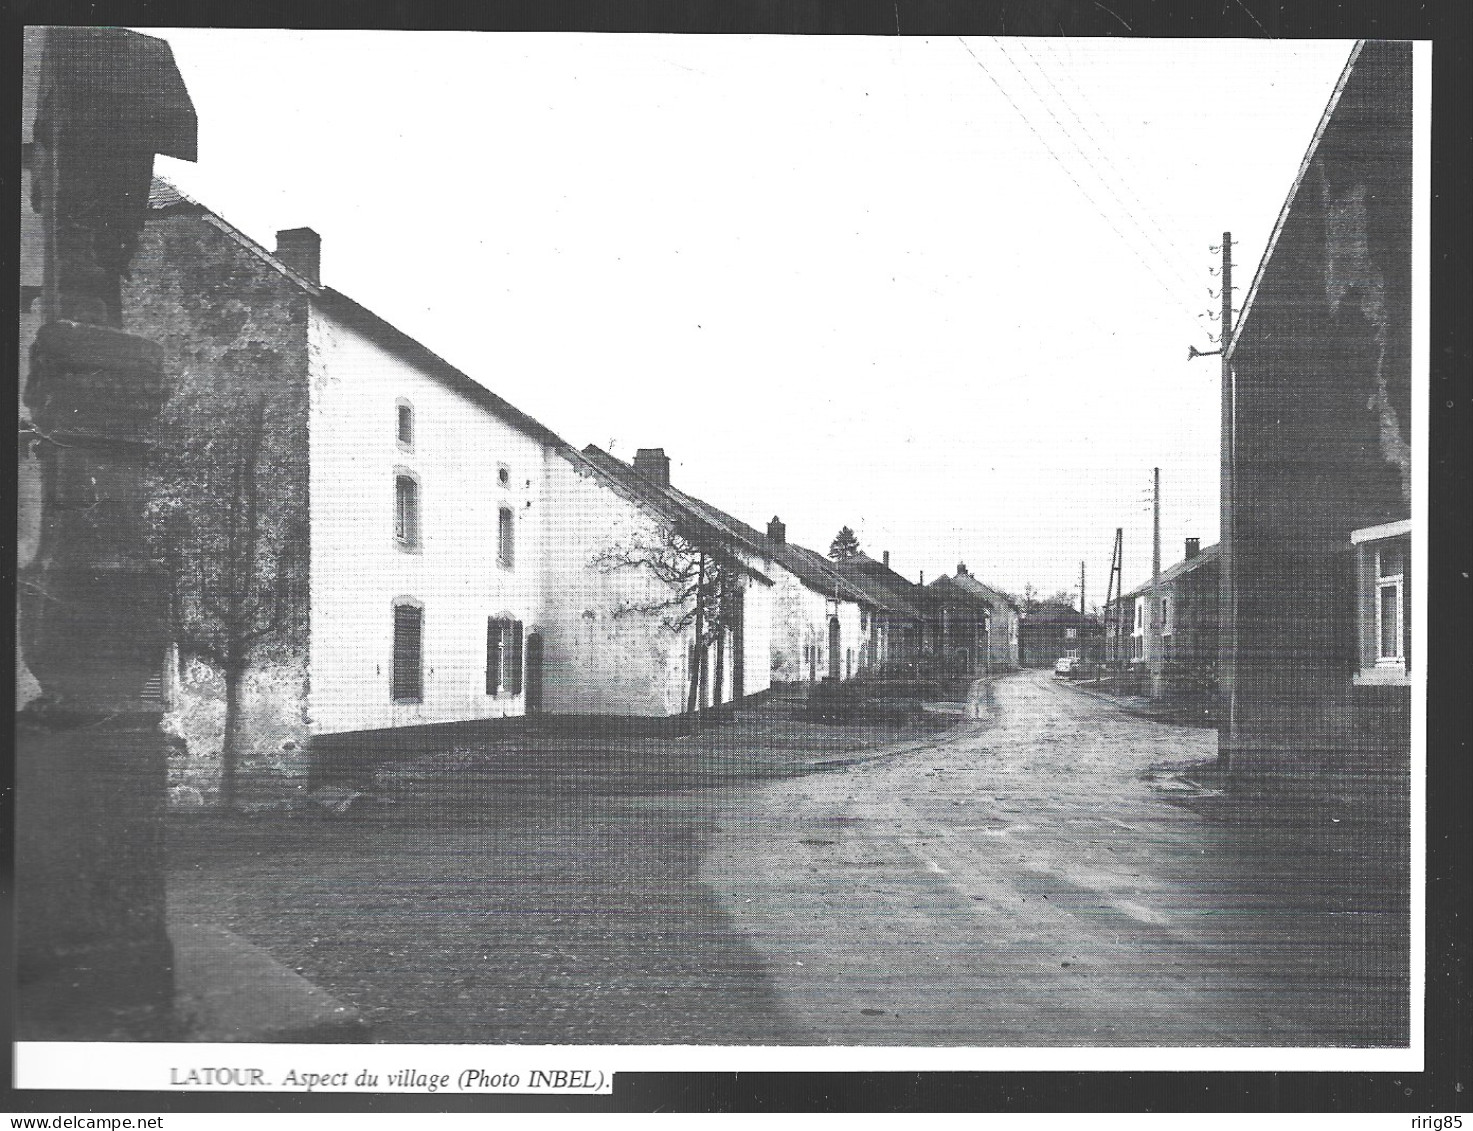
1014, 881
1026, 884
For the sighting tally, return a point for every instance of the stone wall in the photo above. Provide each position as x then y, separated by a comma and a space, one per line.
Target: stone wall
234, 334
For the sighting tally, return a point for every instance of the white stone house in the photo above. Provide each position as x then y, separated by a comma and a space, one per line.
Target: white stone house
821, 622
433, 545
740, 655
610, 646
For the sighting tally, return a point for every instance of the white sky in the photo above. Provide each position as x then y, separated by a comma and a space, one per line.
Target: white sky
838, 279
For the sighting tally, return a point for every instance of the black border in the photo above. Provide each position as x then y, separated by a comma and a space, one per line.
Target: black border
1446, 1085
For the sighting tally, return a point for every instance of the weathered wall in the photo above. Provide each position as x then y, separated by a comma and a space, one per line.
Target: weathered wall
800, 619
1322, 369
358, 569
234, 329
601, 657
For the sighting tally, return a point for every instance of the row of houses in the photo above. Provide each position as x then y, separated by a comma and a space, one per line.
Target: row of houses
366, 538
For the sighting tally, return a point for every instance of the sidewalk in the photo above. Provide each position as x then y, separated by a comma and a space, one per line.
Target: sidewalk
1173, 714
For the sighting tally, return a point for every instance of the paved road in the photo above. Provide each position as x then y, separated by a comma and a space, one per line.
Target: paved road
1023, 885
1016, 883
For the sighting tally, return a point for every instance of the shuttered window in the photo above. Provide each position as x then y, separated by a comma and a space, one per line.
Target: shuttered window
503, 656
408, 681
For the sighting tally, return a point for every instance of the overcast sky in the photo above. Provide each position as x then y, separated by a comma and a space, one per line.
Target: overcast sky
939, 290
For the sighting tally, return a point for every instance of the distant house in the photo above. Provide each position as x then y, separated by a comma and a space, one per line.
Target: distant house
972, 628
591, 560
822, 622
1318, 549
1048, 633
897, 614
1186, 597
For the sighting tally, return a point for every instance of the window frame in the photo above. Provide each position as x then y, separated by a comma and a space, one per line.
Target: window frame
506, 537
404, 410
417, 606
1374, 665
406, 540
506, 645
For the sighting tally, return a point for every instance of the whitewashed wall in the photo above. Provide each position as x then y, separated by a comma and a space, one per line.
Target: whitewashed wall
801, 619
599, 657
358, 569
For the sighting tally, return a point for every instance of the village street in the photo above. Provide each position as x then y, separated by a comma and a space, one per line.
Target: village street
1015, 881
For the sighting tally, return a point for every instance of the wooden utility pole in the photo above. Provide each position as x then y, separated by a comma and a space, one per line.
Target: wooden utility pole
1153, 613
1082, 610
1227, 611
1114, 591
1227, 585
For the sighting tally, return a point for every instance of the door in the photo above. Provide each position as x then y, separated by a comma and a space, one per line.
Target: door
834, 656
533, 674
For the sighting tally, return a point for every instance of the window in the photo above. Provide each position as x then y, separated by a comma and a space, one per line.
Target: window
1071, 634
404, 424
408, 680
1165, 616
406, 510
503, 656
503, 475
506, 539
1390, 576
1382, 559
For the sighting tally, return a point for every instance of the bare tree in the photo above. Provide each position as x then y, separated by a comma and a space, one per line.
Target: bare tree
701, 594
229, 563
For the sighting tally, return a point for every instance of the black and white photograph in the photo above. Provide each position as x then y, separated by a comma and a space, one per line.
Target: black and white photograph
552, 554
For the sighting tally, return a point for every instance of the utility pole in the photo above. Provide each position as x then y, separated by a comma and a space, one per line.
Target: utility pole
1082, 609
1153, 618
1227, 613
1227, 586
1115, 590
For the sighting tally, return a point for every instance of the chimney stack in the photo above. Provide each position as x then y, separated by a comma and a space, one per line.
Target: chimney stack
885, 559
961, 569
653, 464
1194, 547
301, 250
776, 531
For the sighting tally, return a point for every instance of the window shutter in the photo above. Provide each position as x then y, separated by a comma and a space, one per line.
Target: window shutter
514, 660
408, 633
493, 656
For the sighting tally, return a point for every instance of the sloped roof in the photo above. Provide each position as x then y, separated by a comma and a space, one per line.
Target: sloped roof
687, 512
1181, 569
974, 588
163, 196
810, 568
886, 588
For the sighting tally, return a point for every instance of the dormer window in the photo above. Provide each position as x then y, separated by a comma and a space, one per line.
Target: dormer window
404, 424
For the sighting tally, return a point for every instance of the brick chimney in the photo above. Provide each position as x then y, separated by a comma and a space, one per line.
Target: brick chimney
885, 559
961, 569
776, 531
1194, 547
653, 464
301, 250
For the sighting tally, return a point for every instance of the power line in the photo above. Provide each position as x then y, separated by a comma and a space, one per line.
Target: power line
1144, 208
1166, 260
1069, 173
1110, 135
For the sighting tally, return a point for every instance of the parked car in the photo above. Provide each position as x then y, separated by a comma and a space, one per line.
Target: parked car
1067, 667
